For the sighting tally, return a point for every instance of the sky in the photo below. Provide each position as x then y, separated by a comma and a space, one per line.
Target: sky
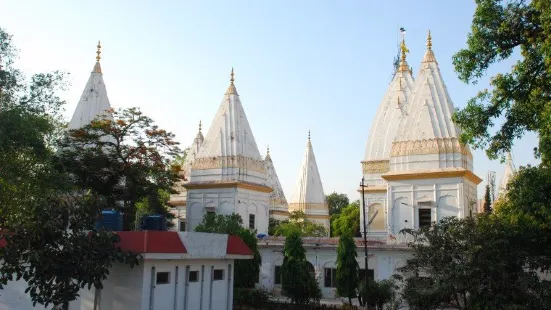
318, 65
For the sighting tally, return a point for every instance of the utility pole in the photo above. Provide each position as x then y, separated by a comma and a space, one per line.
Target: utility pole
365, 241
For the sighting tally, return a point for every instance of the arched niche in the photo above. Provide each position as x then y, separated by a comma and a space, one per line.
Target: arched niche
379, 222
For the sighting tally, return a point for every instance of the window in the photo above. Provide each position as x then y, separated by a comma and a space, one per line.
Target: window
251, 221
425, 217
370, 274
182, 225
163, 278
193, 276
277, 275
330, 278
218, 274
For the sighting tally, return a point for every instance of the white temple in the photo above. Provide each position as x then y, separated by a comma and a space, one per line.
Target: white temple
308, 195
508, 174
426, 173
228, 175
94, 101
279, 208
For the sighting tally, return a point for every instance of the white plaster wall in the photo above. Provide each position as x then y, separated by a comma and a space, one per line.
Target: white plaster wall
446, 198
205, 294
383, 264
13, 297
229, 174
227, 201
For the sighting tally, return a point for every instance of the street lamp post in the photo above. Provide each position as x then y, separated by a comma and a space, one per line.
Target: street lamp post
365, 242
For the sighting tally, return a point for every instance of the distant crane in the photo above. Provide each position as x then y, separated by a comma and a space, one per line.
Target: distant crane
492, 184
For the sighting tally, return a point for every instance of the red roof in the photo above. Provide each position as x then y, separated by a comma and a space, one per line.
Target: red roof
151, 242
236, 246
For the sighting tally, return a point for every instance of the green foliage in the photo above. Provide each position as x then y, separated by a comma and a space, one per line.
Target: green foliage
526, 207
347, 222
272, 226
336, 202
465, 261
487, 201
45, 216
298, 280
255, 298
124, 160
246, 270
380, 293
500, 29
347, 268
155, 204
297, 222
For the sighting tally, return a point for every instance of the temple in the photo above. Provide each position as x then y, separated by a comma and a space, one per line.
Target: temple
228, 175
308, 195
415, 169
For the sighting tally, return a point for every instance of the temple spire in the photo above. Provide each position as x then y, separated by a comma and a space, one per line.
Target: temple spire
200, 126
429, 54
231, 89
268, 151
97, 67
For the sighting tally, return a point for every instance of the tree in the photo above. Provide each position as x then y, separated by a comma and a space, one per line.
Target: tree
247, 270
298, 280
298, 222
336, 202
124, 160
347, 268
472, 263
272, 226
499, 28
380, 293
487, 201
347, 222
44, 223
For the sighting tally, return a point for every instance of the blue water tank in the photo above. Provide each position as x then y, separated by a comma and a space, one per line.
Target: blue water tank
110, 220
153, 222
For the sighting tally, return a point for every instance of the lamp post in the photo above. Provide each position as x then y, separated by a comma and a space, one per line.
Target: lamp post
365, 242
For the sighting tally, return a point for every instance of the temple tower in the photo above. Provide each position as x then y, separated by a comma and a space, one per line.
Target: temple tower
430, 172
308, 195
508, 174
278, 202
93, 102
228, 174
392, 110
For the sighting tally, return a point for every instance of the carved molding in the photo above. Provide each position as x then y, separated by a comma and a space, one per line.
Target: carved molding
429, 146
376, 166
220, 162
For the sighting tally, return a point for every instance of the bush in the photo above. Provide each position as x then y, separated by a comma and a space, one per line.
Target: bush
250, 298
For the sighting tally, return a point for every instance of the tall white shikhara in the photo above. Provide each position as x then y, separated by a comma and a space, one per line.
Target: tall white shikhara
416, 169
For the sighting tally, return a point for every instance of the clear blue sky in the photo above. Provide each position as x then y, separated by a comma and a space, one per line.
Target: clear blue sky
316, 65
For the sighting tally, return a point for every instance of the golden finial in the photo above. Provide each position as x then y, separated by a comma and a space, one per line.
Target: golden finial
98, 52
404, 50
429, 54
232, 73
199, 126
